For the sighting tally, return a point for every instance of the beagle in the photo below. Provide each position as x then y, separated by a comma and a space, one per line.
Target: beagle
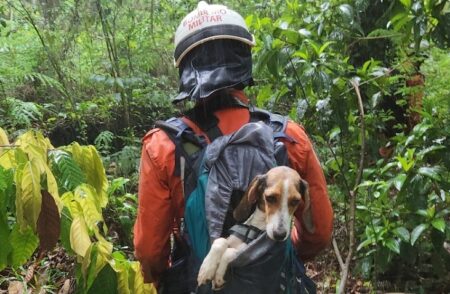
276, 195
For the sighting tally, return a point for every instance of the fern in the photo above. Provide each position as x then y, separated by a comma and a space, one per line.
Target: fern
127, 160
104, 141
23, 114
44, 80
67, 172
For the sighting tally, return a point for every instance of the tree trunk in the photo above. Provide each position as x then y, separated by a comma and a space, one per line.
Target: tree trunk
416, 83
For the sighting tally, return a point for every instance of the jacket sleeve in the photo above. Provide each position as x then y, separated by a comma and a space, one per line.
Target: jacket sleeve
303, 158
155, 214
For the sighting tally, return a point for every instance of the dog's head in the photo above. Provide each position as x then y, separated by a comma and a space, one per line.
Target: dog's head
278, 193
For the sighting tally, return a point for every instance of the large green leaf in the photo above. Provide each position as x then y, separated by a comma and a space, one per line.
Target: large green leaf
439, 224
6, 248
415, 234
431, 172
93, 262
69, 174
106, 282
66, 222
3, 185
24, 242
399, 180
403, 233
393, 245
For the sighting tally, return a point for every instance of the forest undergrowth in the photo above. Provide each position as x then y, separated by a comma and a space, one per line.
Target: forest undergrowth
81, 82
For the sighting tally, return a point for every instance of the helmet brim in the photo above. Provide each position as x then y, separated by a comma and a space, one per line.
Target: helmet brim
230, 32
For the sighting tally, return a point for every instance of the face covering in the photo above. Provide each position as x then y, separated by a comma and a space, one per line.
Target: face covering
213, 66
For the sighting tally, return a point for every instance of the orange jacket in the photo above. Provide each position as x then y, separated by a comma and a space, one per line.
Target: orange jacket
161, 203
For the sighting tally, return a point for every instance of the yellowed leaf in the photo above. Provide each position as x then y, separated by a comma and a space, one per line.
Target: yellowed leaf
28, 195
123, 286
74, 207
87, 197
36, 146
52, 187
3, 137
7, 158
138, 286
79, 236
104, 247
6, 153
34, 138
90, 162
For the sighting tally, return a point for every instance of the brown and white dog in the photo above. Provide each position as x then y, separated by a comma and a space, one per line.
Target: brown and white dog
276, 194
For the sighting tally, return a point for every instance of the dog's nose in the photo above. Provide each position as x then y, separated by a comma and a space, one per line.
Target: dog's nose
279, 235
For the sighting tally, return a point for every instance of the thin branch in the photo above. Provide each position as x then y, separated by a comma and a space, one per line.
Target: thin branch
363, 134
299, 80
338, 254
351, 238
373, 38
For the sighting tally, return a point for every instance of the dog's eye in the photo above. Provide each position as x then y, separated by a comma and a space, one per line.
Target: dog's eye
294, 202
271, 199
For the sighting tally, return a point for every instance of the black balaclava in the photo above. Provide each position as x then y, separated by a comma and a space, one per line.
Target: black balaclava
214, 66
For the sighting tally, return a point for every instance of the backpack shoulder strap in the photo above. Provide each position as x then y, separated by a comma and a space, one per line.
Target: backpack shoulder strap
185, 140
276, 121
209, 124
244, 232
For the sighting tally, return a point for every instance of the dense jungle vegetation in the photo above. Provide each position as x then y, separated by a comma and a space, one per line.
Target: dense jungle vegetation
81, 82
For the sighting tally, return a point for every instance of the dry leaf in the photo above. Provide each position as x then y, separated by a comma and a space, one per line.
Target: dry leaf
48, 225
15, 287
65, 288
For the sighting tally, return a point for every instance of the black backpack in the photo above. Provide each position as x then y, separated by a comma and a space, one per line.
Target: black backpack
190, 243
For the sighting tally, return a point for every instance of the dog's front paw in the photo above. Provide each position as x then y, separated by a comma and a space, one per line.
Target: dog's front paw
206, 273
218, 282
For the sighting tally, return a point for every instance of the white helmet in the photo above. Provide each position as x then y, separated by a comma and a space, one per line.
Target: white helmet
206, 23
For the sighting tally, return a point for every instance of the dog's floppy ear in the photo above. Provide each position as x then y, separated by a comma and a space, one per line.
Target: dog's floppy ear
306, 214
251, 196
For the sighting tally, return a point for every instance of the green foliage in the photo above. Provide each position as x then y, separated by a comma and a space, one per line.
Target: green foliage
122, 209
40, 216
127, 160
68, 174
101, 72
407, 198
20, 114
106, 281
24, 243
307, 56
103, 142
